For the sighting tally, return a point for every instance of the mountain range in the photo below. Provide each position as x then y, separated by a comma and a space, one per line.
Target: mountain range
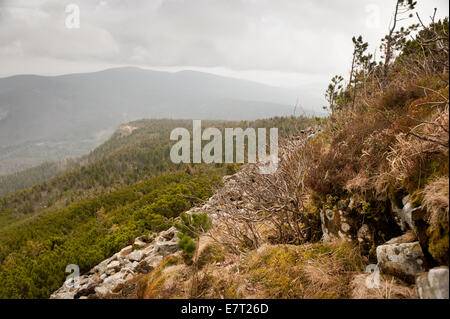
46, 118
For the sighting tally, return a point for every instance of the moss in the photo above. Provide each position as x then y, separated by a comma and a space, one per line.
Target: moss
416, 198
438, 244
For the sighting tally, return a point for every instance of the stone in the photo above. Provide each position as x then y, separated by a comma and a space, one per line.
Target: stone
404, 216
125, 251
169, 234
167, 247
113, 264
113, 281
363, 233
139, 243
63, 295
407, 237
87, 289
153, 261
148, 250
101, 291
143, 267
335, 226
136, 255
433, 284
402, 260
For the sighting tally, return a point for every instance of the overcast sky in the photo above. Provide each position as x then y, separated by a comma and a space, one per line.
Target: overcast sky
289, 43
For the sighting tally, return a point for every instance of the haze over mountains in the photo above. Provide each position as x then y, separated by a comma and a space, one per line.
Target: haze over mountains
44, 118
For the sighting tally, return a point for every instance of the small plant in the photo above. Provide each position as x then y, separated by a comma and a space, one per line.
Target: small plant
191, 226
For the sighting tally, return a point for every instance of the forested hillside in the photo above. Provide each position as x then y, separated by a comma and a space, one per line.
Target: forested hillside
125, 188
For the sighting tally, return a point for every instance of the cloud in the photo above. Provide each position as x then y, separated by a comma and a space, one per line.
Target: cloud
278, 42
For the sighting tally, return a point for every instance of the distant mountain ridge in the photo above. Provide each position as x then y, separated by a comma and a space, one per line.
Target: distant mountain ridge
46, 118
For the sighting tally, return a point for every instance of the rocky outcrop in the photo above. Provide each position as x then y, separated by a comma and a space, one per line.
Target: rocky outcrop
139, 258
433, 284
403, 260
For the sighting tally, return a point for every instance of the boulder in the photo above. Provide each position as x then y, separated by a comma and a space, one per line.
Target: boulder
86, 289
140, 242
433, 284
125, 251
407, 237
403, 260
136, 255
113, 281
101, 291
167, 247
63, 295
168, 234
143, 267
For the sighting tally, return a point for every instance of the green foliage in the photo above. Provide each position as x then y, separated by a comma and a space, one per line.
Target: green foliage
187, 245
191, 226
439, 242
34, 254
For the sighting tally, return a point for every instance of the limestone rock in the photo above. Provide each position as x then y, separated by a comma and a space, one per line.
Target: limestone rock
433, 284
102, 280
136, 255
125, 251
402, 260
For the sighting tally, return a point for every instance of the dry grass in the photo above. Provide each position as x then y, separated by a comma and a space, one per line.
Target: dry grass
436, 199
388, 289
306, 271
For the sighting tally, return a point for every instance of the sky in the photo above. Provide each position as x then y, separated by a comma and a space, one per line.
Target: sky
286, 43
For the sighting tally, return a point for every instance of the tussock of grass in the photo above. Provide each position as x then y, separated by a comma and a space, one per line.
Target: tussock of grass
306, 271
389, 288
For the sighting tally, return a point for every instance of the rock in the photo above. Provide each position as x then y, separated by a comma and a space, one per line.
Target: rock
63, 295
125, 251
169, 234
402, 260
404, 216
87, 289
167, 247
153, 261
363, 233
143, 267
101, 291
433, 284
226, 178
136, 255
105, 277
407, 237
139, 243
148, 250
113, 281
335, 226
115, 264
